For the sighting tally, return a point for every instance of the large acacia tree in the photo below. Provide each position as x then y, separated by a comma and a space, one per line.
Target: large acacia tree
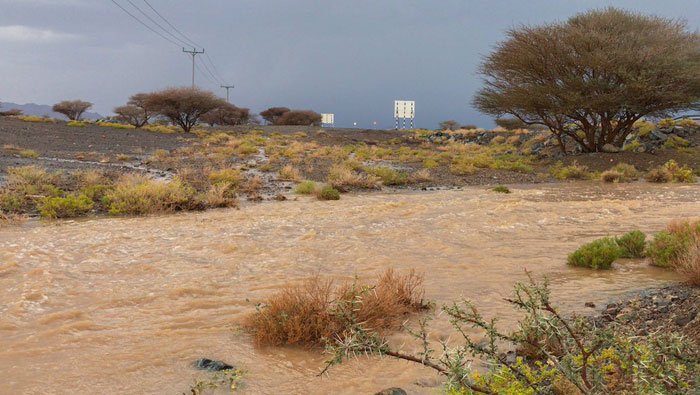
73, 109
591, 77
183, 106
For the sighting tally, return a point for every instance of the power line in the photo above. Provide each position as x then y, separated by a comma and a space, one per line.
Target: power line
218, 81
204, 75
214, 67
144, 24
216, 74
157, 24
192, 43
217, 78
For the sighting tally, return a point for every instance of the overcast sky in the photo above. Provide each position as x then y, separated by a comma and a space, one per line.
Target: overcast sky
352, 58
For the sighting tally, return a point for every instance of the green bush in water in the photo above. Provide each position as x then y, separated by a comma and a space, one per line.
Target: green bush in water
632, 244
598, 254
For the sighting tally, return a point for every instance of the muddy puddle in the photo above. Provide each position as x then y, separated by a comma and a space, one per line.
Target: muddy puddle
124, 306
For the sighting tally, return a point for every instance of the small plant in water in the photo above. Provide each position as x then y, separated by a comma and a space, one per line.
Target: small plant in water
229, 379
632, 244
501, 189
598, 254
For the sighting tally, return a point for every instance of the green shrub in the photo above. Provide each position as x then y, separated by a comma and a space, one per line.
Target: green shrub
632, 244
27, 153
501, 189
388, 175
65, 207
644, 127
571, 172
667, 123
676, 142
598, 254
76, 124
328, 193
669, 246
96, 192
116, 125
686, 122
305, 188
628, 172
12, 202
136, 194
679, 174
664, 249
229, 176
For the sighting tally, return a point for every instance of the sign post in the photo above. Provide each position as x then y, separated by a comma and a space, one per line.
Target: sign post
403, 110
327, 120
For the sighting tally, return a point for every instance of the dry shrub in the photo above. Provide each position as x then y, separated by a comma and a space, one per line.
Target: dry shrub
611, 176
659, 175
194, 177
318, 309
498, 140
90, 177
220, 195
513, 140
253, 184
342, 176
688, 264
290, 173
422, 175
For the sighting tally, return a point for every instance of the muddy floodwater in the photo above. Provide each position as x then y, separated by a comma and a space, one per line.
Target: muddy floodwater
125, 305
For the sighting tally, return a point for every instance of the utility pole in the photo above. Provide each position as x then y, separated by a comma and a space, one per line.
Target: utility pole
194, 53
227, 87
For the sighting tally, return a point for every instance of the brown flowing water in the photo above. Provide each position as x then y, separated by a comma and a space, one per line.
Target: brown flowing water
125, 305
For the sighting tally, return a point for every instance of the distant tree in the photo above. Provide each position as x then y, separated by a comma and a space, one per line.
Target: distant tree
227, 114
591, 77
11, 112
183, 106
73, 109
272, 114
299, 117
449, 125
468, 127
510, 123
136, 112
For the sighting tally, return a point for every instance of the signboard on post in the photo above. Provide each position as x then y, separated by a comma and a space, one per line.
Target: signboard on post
327, 120
404, 109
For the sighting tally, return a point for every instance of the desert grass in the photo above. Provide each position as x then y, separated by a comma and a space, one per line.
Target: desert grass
289, 173
27, 153
319, 309
137, 194
343, 175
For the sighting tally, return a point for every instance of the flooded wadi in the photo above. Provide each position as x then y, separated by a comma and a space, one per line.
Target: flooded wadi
125, 305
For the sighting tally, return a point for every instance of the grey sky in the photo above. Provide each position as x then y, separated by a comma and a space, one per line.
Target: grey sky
350, 57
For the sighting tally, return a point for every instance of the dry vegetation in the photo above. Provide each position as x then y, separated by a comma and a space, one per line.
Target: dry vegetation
318, 309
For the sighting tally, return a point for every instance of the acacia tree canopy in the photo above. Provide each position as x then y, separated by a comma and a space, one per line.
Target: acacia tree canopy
273, 113
591, 77
183, 106
227, 114
73, 109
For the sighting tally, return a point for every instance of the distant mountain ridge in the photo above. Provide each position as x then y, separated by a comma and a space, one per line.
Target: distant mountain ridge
40, 110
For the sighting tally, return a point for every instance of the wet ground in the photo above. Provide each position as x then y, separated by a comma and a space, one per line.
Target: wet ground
125, 305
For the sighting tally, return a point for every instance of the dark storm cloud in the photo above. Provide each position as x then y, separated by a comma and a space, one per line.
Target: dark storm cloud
352, 58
